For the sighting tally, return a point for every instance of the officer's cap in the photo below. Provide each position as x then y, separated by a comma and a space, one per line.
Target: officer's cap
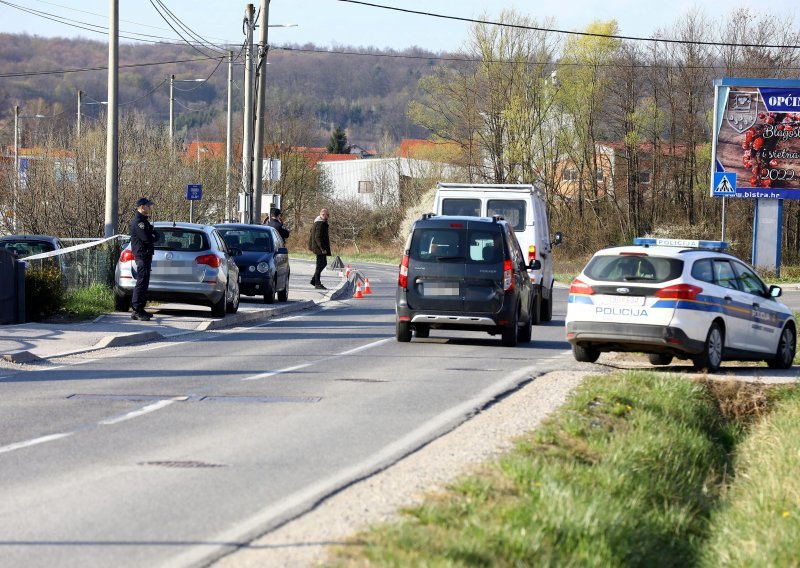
143, 201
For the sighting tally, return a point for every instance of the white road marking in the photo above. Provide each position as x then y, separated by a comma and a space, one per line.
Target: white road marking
142, 411
33, 442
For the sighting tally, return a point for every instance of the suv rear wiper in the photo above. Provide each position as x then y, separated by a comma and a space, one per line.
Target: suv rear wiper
450, 258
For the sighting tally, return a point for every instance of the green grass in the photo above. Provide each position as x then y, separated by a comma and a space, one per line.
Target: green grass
625, 473
88, 303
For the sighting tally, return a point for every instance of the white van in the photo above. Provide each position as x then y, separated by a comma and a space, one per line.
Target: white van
525, 209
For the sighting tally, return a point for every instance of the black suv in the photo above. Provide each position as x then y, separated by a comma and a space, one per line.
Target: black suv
466, 273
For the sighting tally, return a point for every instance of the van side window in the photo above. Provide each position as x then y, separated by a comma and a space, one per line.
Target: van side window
512, 210
464, 207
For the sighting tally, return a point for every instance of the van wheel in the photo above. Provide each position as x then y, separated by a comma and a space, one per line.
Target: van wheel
585, 354
509, 332
422, 330
711, 357
547, 307
784, 356
659, 358
403, 331
526, 331
536, 308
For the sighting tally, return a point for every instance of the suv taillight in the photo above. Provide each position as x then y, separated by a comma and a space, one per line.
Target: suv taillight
679, 292
508, 275
211, 260
402, 279
580, 287
126, 256
531, 253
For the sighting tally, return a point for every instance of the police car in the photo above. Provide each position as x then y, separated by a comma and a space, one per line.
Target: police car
678, 298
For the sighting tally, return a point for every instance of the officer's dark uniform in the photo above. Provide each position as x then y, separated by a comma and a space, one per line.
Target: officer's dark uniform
143, 238
276, 224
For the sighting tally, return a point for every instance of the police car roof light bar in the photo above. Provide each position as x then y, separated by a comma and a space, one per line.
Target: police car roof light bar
682, 243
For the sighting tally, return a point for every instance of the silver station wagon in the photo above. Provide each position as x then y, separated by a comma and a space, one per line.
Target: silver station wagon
191, 264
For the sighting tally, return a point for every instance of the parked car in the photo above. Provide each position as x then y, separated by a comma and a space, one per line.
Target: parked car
28, 245
524, 207
191, 264
678, 298
264, 262
466, 273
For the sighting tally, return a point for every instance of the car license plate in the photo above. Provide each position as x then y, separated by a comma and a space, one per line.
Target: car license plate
439, 289
619, 300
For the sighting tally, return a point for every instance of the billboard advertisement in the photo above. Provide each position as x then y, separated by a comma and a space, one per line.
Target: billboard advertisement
756, 142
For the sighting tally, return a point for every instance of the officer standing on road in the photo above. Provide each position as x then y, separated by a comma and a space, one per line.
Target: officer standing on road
319, 243
143, 238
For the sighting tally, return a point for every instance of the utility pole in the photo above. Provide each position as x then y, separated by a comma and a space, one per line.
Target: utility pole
229, 141
261, 73
78, 127
16, 167
112, 138
171, 108
247, 146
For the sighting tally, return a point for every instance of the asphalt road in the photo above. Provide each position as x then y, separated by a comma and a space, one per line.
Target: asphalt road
177, 453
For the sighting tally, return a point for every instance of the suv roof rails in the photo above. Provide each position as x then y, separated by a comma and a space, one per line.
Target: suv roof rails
496, 218
427, 216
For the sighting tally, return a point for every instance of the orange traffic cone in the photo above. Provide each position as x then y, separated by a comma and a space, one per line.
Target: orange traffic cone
347, 272
358, 293
366, 285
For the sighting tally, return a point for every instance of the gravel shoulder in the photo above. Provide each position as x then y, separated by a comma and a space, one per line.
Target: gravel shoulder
305, 541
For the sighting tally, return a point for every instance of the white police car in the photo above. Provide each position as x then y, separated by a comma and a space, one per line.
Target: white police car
678, 298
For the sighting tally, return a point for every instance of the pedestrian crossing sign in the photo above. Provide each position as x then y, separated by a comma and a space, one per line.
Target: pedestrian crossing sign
724, 184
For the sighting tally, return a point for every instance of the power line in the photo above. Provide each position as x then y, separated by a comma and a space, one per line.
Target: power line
156, 4
102, 67
569, 32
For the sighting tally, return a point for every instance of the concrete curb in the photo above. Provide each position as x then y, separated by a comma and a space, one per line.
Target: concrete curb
127, 339
22, 357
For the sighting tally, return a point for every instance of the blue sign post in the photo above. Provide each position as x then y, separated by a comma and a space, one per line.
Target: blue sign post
194, 192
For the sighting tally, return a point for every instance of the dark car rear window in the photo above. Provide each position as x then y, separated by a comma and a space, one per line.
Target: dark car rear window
247, 239
465, 207
449, 244
27, 248
181, 239
629, 268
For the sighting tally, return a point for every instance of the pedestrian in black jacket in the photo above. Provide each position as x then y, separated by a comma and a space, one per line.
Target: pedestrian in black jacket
143, 238
276, 222
319, 243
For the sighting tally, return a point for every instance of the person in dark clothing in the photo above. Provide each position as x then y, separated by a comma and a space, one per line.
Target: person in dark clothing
143, 238
276, 222
319, 243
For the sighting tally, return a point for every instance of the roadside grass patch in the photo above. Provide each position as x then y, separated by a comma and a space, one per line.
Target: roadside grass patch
87, 303
627, 472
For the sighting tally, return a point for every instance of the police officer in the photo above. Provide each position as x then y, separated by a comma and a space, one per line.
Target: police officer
143, 238
276, 222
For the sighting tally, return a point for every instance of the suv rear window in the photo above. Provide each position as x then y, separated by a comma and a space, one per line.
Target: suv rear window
180, 240
447, 244
631, 268
466, 207
512, 210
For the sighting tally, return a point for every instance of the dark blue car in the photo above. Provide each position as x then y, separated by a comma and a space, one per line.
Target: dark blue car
264, 262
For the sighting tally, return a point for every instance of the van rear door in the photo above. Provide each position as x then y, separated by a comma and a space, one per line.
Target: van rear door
483, 278
436, 267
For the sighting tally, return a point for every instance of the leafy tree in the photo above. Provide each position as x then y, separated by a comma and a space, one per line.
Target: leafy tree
338, 142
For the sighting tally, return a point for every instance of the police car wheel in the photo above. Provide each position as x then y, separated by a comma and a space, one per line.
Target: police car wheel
659, 358
784, 357
403, 331
585, 354
711, 357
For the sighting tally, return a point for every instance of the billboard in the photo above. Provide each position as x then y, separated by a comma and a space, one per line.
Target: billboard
756, 140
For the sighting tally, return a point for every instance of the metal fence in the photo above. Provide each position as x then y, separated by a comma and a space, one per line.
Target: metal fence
84, 264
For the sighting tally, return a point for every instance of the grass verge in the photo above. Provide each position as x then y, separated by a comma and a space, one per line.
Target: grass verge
628, 472
87, 303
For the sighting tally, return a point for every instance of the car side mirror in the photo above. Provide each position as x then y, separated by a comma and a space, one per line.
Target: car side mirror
558, 239
283, 250
775, 291
233, 251
535, 264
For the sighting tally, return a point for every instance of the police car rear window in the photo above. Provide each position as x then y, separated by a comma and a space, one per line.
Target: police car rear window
627, 268
181, 240
448, 244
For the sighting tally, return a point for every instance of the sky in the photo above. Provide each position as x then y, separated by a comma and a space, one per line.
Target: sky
337, 23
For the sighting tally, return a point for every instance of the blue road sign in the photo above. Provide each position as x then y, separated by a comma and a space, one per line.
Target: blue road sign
194, 192
724, 184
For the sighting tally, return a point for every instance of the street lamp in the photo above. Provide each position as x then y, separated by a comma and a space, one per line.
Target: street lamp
17, 116
172, 81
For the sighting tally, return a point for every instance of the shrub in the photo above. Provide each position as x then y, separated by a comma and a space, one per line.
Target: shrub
44, 292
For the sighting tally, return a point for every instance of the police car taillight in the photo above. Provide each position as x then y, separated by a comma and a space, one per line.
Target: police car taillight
579, 287
211, 260
508, 275
679, 292
531, 253
402, 279
126, 256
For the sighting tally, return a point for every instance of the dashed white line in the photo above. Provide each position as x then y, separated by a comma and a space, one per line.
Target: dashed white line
33, 442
